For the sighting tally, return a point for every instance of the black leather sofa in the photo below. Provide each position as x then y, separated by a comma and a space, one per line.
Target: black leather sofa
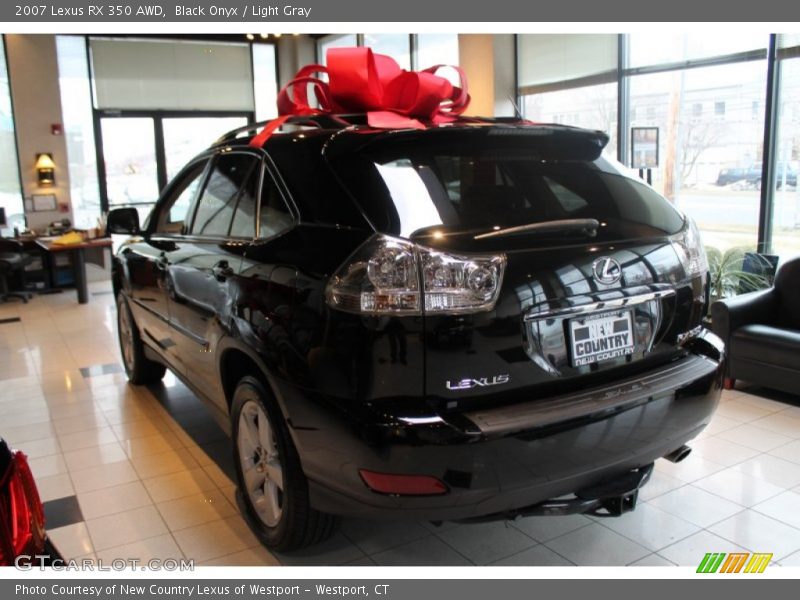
761, 331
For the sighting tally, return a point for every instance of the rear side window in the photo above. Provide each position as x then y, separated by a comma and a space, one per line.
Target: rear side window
220, 196
244, 219
275, 217
480, 183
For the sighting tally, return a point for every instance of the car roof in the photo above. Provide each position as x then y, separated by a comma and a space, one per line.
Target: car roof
327, 125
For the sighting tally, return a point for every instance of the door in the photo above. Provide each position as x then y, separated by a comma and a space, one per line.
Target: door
131, 169
184, 137
143, 150
204, 266
147, 260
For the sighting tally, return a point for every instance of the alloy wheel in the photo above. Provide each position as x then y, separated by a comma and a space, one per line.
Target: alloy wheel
126, 336
261, 463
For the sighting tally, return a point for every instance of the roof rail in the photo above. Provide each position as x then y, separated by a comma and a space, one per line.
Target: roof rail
340, 121
321, 121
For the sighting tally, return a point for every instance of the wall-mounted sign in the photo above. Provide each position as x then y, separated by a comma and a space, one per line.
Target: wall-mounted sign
44, 202
644, 147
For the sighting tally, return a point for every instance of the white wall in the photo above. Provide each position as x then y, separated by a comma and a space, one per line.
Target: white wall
33, 77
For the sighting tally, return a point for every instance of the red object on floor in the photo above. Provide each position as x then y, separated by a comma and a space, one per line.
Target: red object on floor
21, 512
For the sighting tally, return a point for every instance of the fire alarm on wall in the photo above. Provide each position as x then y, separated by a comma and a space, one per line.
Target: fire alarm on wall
56, 129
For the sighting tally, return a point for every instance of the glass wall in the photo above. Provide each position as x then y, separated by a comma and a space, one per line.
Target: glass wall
10, 189
265, 81
786, 210
76, 108
656, 48
711, 132
396, 45
327, 42
429, 48
185, 137
570, 79
436, 49
592, 107
131, 166
706, 93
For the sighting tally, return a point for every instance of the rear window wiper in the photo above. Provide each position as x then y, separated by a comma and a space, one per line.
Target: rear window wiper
587, 227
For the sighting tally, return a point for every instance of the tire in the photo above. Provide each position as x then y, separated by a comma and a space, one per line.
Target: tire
273, 491
140, 369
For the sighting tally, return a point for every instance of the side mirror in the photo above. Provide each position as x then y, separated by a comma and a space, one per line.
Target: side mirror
123, 220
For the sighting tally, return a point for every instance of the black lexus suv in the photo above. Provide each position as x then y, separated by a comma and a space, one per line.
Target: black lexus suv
467, 322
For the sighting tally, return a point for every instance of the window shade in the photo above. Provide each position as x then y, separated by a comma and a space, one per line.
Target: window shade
171, 75
550, 58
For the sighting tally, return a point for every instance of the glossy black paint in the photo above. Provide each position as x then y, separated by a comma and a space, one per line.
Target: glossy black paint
371, 392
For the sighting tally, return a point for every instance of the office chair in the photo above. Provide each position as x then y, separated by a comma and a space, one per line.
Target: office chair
13, 259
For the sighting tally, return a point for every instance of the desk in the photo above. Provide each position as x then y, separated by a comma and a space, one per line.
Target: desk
91, 250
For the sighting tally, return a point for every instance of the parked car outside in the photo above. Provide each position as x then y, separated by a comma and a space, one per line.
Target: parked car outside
470, 322
752, 175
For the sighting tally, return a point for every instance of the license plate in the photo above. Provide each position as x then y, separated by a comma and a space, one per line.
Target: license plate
601, 337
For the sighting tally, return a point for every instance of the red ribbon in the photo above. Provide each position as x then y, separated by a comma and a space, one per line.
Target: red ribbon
360, 81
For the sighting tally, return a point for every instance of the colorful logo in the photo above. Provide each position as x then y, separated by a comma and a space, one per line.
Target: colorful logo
734, 562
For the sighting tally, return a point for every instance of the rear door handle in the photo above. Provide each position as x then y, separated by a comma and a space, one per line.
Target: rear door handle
222, 270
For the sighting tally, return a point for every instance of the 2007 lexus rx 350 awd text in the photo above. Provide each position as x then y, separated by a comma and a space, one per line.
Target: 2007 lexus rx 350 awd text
468, 322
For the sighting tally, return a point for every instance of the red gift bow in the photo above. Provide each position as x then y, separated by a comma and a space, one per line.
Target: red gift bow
360, 81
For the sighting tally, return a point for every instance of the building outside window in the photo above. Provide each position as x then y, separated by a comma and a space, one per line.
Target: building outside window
706, 95
707, 164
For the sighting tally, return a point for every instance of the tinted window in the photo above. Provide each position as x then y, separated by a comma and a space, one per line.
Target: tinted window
311, 182
461, 182
174, 216
244, 219
221, 193
275, 217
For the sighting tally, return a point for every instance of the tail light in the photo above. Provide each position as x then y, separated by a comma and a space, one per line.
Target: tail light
391, 276
21, 513
689, 248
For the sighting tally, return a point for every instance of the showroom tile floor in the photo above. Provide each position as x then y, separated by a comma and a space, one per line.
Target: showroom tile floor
130, 472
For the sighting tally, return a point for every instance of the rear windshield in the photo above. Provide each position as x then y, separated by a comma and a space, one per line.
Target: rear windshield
480, 183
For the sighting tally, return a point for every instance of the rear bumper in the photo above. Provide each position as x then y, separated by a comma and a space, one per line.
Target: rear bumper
496, 462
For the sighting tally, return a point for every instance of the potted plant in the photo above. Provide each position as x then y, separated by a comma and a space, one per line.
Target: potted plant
727, 276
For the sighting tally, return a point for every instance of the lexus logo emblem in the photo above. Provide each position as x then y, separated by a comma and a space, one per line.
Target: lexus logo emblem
606, 270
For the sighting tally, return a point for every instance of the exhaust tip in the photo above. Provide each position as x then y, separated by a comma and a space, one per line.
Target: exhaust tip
678, 455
